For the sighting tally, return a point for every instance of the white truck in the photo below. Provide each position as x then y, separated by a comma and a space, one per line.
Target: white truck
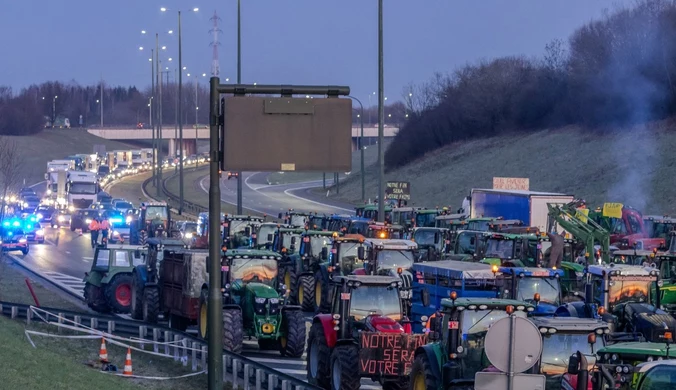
123, 159
56, 181
82, 188
146, 158
530, 207
136, 158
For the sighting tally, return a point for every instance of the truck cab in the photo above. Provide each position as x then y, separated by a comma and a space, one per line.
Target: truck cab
627, 230
82, 188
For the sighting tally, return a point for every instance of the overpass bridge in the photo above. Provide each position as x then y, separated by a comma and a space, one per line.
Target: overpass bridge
192, 134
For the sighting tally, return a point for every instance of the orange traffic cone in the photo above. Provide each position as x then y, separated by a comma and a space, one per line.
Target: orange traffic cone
127, 364
103, 352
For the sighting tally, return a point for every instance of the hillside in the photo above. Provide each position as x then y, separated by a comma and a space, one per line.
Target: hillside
55, 144
634, 166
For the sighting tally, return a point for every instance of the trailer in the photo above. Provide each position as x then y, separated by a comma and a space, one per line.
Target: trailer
530, 207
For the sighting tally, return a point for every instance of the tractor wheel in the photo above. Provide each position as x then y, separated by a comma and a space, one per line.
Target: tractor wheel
292, 341
151, 304
322, 293
306, 293
288, 277
177, 322
118, 293
345, 368
318, 353
233, 330
202, 315
421, 376
25, 250
95, 299
137, 297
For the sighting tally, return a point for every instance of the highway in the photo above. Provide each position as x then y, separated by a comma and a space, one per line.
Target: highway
263, 198
66, 256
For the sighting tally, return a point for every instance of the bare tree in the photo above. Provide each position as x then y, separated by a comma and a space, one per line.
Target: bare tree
424, 97
11, 159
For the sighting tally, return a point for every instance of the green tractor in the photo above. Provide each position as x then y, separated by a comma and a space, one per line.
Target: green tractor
255, 305
455, 352
295, 218
302, 266
239, 231
108, 285
264, 235
153, 220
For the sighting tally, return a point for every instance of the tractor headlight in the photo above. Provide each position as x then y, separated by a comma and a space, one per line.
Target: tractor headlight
71, 208
61, 218
274, 301
260, 300
259, 306
88, 221
188, 235
128, 220
40, 232
274, 305
22, 240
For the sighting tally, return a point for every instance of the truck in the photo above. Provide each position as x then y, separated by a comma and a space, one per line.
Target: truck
626, 227
81, 188
136, 158
56, 181
146, 158
530, 207
123, 159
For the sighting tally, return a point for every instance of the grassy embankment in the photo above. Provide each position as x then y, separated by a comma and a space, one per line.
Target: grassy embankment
633, 166
70, 363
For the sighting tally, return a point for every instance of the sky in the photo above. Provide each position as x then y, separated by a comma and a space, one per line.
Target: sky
317, 42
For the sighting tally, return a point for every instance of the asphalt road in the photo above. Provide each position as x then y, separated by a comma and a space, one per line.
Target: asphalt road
263, 198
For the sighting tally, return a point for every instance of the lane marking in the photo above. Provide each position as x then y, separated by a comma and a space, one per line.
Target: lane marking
287, 192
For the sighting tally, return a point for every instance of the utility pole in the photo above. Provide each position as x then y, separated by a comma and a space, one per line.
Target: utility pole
381, 118
159, 117
101, 101
180, 119
239, 81
153, 102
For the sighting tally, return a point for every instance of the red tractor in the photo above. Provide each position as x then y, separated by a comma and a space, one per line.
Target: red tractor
627, 232
364, 336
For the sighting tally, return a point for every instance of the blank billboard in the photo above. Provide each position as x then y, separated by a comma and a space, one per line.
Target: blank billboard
287, 134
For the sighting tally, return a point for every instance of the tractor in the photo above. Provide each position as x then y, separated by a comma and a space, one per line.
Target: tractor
254, 304
384, 231
264, 235
239, 231
302, 266
365, 335
108, 285
295, 218
457, 333
625, 297
539, 286
154, 220
433, 243
390, 258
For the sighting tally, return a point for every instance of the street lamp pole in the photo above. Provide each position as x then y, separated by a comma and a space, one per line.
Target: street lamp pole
54, 110
381, 118
196, 108
159, 117
239, 81
153, 101
361, 149
180, 118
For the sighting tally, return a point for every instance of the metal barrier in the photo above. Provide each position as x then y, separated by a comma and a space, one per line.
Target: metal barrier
237, 370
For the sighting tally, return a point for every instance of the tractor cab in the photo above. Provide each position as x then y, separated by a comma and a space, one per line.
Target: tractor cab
154, 220
339, 222
239, 231
457, 334
562, 337
265, 234
666, 262
466, 245
659, 226
286, 240
509, 249
295, 218
433, 243
200, 239
435, 281
371, 212
634, 256
358, 226
344, 257
451, 222
538, 286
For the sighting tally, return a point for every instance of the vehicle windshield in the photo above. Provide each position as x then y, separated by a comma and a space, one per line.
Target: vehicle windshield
156, 213
660, 230
240, 226
475, 324
659, 378
347, 257
286, 240
557, 348
425, 220
83, 188
104, 169
263, 233
629, 289
190, 227
380, 300
123, 205
254, 270
317, 243
358, 227
298, 220
424, 237
481, 226
502, 249
394, 259
548, 288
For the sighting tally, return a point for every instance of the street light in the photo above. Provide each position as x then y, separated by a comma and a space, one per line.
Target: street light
381, 117
361, 148
180, 109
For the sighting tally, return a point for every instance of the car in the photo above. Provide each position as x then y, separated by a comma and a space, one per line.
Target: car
188, 231
233, 175
46, 214
34, 232
115, 200
27, 191
13, 239
119, 225
81, 219
123, 206
29, 204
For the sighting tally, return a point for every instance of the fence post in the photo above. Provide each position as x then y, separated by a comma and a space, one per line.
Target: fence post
176, 347
94, 323
15, 312
156, 336
247, 382
194, 355
235, 375
167, 339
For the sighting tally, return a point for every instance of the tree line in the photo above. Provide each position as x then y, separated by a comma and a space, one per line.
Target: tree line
614, 72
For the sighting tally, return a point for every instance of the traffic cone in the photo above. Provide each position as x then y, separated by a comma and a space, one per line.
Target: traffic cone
103, 352
127, 364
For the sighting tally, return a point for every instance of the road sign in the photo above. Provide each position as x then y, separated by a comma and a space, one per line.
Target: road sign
526, 344
398, 190
499, 381
511, 183
287, 134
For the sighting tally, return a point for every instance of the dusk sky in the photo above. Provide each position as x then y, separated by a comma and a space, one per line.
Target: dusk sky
283, 41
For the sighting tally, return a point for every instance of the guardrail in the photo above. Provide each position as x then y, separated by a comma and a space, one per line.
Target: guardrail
237, 370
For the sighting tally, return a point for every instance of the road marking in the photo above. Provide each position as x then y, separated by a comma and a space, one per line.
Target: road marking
288, 193
227, 201
70, 284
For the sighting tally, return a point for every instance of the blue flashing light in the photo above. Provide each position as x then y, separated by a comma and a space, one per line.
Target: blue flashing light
116, 220
6, 223
16, 223
29, 226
